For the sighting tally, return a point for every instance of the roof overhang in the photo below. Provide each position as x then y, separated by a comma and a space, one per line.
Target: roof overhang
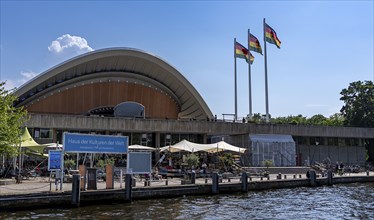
122, 65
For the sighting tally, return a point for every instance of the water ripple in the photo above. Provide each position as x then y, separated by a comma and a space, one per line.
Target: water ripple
349, 201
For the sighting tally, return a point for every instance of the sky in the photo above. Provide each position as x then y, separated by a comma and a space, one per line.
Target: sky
326, 45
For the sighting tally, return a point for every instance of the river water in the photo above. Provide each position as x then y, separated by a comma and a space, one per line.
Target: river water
344, 201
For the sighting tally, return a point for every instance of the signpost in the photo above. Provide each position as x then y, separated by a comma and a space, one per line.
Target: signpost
56, 165
55, 160
139, 162
88, 143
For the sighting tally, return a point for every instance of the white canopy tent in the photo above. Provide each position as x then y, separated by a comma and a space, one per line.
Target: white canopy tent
141, 148
185, 145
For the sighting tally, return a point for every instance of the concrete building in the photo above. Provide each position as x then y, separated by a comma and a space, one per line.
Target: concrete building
84, 94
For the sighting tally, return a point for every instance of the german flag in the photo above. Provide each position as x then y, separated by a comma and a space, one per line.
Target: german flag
271, 36
254, 44
242, 52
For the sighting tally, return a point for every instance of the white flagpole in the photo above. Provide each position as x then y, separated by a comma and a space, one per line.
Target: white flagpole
236, 96
266, 79
249, 78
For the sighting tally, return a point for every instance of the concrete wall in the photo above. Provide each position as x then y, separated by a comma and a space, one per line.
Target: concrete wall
349, 155
180, 126
236, 133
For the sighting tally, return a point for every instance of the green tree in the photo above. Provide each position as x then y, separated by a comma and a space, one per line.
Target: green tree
192, 160
11, 121
358, 109
336, 119
297, 120
317, 120
227, 160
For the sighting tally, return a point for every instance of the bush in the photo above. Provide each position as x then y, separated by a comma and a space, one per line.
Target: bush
69, 164
192, 160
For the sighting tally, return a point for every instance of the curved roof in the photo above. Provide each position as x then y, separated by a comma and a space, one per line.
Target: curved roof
128, 64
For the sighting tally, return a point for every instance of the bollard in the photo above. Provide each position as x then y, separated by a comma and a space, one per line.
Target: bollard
312, 178
193, 177
91, 179
294, 176
285, 176
229, 180
76, 191
244, 180
215, 183
279, 176
367, 173
128, 187
250, 178
109, 176
82, 172
300, 176
206, 180
166, 182
261, 178
145, 183
329, 178
268, 177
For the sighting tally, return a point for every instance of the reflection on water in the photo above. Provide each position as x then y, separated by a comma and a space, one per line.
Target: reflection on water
351, 201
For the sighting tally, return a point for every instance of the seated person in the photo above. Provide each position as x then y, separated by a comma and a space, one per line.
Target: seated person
156, 175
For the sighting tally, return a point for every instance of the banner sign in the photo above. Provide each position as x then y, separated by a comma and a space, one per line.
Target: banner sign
55, 160
88, 143
139, 162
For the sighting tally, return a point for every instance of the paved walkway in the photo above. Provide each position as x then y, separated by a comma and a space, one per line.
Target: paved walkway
43, 184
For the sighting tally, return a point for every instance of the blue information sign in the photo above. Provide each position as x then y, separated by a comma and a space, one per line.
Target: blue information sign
54, 160
87, 143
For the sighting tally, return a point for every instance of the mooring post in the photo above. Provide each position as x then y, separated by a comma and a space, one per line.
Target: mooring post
244, 180
76, 190
279, 176
312, 178
215, 183
193, 177
329, 178
367, 173
128, 187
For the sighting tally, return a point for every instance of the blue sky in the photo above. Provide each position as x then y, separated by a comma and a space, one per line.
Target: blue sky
325, 45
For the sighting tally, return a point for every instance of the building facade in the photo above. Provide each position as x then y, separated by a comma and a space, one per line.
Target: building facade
82, 95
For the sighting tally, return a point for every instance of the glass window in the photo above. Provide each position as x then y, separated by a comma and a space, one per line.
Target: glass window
59, 136
174, 138
36, 132
184, 137
46, 133
136, 138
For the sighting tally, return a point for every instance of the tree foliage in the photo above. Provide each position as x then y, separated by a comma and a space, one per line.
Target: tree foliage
11, 120
192, 160
358, 109
334, 120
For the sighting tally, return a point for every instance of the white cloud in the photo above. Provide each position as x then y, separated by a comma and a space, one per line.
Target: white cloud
69, 43
25, 76
315, 105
